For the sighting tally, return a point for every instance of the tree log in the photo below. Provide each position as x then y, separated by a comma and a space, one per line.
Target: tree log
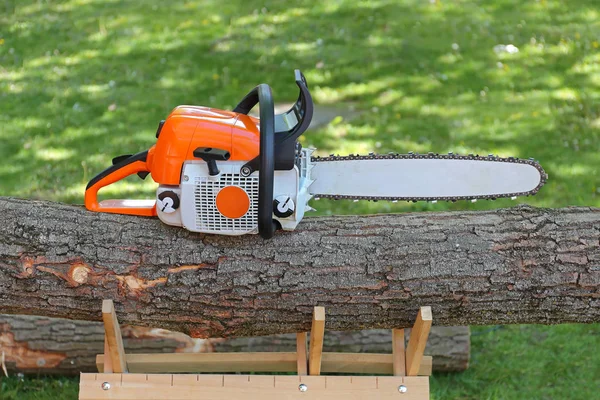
449, 345
518, 265
42, 345
33, 344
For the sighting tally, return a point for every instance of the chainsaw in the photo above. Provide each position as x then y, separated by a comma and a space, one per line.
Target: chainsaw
229, 173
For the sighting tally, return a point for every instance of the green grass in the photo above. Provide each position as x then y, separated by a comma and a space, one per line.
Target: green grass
527, 362
29, 388
82, 81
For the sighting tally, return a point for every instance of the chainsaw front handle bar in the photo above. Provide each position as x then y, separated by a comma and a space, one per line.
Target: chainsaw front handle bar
263, 96
288, 126
129, 166
300, 115
266, 174
292, 123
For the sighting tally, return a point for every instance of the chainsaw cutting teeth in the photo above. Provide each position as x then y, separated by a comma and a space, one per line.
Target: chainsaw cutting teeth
430, 155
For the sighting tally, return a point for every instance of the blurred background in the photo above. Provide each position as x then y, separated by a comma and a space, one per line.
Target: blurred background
82, 81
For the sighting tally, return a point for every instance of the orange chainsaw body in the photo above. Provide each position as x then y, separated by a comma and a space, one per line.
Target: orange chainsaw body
217, 171
185, 129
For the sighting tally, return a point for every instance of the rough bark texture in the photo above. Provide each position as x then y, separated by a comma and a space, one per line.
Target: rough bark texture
519, 265
44, 345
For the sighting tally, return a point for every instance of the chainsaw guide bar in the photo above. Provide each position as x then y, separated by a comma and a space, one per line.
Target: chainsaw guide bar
429, 156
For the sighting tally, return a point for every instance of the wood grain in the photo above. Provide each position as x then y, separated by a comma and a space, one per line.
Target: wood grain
418, 340
317, 335
113, 346
347, 363
254, 387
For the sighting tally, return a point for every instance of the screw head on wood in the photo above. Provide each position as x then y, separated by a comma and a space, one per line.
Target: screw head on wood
402, 389
302, 387
105, 385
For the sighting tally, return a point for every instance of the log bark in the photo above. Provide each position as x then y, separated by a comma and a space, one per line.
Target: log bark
519, 265
42, 345
450, 346
33, 344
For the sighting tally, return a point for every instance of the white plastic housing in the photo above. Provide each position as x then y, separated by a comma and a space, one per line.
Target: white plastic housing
198, 191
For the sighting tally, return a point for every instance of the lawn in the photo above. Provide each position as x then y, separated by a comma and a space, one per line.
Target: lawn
82, 81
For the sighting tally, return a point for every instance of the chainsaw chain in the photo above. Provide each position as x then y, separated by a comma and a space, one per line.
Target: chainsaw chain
432, 156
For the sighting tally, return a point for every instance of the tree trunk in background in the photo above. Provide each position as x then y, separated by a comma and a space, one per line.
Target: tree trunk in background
45, 345
449, 345
63, 347
519, 265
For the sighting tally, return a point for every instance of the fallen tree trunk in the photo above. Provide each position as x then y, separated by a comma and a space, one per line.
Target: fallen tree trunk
34, 345
519, 265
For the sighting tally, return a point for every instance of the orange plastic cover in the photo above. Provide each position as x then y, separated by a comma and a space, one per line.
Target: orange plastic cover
190, 127
184, 130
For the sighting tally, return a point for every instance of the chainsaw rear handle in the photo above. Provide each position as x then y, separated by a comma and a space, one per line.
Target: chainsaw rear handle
122, 169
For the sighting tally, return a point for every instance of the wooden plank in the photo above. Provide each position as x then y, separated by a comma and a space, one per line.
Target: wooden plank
301, 355
253, 387
426, 367
366, 363
288, 381
108, 367
416, 386
357, 363
349, 363
418, 340
112, 332
210, 380
208, 362
317, 333
398, 352
315, 383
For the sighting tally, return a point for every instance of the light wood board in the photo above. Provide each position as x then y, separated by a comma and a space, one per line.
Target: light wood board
348, 363
250, 387
317, 335
418, 340
113, 337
